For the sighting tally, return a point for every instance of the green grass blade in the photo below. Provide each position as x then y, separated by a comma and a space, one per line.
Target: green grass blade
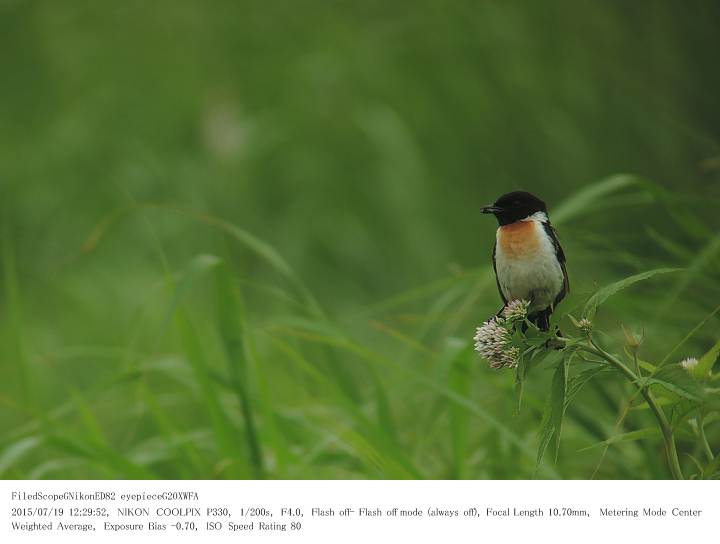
506, 431
231, 321
270, 255
16, 451
385, 418
199, 266
189, 461
696, 267
689, 335
379, 449
225, 431
103, 452
459, 382
578, 203
606, 292
640, 434
14, 313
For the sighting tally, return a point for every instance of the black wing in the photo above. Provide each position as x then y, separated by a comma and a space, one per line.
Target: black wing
496, 278
561, 258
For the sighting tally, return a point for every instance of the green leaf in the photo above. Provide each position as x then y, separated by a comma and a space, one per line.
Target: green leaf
606, 292
674, 388
650, 432
371, 441
578, 381
231, 321
199, 266
225, 432
712, 468
520, 373
706, 362
689, 335
17, 451
587, 197
557, 399
270, 255
676, 379
459, 381
546, 432
647, 366
660, 401
551, 425
696, 267
574, 321
12, 310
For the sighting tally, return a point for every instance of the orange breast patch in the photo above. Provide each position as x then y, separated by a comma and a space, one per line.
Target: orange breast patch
519, 238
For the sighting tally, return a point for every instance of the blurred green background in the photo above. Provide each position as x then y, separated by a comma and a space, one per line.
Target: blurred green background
243, 239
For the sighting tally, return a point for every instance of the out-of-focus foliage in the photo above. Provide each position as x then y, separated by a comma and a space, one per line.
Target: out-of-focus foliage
243, 239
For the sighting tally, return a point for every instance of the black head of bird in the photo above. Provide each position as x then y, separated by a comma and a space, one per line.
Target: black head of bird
515, 206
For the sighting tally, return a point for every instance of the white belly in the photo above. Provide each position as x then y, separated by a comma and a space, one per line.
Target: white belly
534, 275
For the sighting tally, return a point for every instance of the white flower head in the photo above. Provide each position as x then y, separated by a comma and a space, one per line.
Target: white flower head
515, 310
585, 325
689, 363
493, 343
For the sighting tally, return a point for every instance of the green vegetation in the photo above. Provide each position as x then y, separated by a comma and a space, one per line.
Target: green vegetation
245, 242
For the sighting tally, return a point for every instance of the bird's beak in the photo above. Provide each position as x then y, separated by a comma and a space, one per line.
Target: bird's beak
490, 209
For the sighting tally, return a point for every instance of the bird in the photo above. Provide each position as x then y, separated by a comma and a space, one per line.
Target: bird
528, 260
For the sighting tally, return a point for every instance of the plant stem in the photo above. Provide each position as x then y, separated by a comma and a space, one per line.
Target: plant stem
637, 364
669, 439
703, 439
670, 447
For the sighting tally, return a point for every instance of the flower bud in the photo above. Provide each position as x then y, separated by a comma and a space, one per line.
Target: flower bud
632, 340
515, 310
585, 325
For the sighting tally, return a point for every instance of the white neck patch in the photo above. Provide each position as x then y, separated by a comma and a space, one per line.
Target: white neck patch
537, 216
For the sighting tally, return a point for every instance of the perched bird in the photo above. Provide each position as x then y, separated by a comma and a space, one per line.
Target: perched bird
528, 260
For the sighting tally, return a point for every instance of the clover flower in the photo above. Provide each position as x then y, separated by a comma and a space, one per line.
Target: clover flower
493, 343
515, 310
689, 363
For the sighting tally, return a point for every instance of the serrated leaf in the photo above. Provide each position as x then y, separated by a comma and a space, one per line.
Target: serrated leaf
678, 390
578, 381
706, 362
660, 401
676, 379
520, 374
550, 358
647, 366
551, 425
606, 292
546, 432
